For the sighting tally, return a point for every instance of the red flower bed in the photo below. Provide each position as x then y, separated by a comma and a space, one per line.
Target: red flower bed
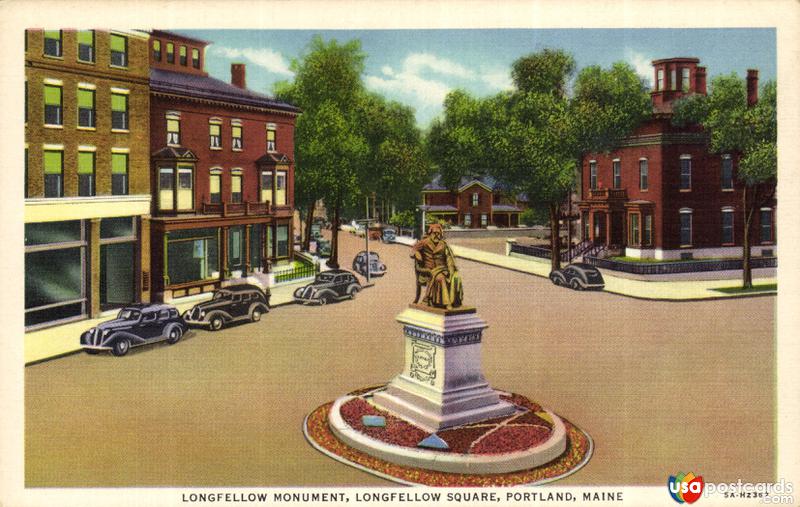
460, 439
397, 431
531, 418
510, 439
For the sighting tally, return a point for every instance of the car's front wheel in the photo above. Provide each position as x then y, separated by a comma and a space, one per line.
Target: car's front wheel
256, 315
121, 347
174, 335
352, 292
216, 323
324, 300
555, 279
576, 284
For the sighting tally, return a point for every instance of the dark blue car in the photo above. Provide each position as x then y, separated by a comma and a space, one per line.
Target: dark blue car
135, 325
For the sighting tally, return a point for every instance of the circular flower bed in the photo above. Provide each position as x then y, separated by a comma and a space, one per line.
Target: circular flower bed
528, 427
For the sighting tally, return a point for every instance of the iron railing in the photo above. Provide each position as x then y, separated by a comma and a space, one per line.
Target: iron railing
303, 270
669, 268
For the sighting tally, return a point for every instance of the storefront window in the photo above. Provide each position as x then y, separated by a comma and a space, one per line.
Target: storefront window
193, 255
54, 272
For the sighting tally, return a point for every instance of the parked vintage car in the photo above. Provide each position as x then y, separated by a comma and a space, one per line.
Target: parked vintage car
329, 286
244, 302
376, 267
389, 235
135, 325
579, 276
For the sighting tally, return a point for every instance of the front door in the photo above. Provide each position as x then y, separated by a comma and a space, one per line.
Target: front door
236, 249
599, 228
617, 228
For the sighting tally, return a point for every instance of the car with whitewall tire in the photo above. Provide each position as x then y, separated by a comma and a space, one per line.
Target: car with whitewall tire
235, 303
135, 325
329, 286
578, 276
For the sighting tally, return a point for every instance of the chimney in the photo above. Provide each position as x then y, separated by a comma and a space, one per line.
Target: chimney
700, 80
752, 87
237, 75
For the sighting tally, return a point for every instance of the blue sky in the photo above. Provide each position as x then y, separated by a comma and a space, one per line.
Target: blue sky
419, 67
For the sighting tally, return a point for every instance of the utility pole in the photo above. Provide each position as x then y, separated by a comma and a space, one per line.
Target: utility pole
366, 223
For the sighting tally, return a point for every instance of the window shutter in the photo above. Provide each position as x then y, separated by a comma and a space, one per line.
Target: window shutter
117, 43
119, 163
52, 95
86, 37
85, 162
52, 162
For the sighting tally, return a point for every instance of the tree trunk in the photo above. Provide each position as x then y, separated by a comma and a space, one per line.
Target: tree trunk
307, 232
333, 262
747, 274
555, 238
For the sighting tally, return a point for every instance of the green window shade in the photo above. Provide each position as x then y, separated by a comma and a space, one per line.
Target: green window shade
173, 125
214, 129
157, 45
119, 102
52, 162
119, 163
86, 37
52, 34
236, 184
170, 47
85, 162
52, 95
117, 43
214, 184
237, 131
270, 135
183, 51
86, 99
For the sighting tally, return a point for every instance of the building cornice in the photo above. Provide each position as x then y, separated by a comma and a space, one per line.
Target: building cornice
664, 139
228, 104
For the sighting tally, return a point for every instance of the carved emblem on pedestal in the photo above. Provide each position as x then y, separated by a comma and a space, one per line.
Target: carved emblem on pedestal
423, 362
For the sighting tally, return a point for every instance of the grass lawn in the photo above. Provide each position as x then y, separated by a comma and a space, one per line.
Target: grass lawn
764, 287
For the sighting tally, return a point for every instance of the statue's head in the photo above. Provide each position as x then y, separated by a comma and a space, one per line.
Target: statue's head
435, 232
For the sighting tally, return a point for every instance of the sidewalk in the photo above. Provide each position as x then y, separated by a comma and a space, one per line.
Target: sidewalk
64, 339
679, 290
673, 290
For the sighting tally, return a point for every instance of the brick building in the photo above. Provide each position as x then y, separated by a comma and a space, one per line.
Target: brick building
478, 202
661, 194
87, 183
222, 172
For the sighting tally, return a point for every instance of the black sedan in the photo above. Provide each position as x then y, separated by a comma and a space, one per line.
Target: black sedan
579, 276
328, 287
242, 302
135, 325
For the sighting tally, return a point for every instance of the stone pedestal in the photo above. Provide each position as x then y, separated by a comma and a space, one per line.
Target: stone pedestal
442, 384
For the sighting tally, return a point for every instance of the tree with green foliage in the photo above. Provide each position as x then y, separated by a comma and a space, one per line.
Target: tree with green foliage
750, 132
537, 135
330, 148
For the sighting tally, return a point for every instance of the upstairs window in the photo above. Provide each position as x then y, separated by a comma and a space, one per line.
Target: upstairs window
673, 79
119, 111
52, 43
727, 172
195, 58
617, 170
476, 199
215, 186
236, 185
685, 79
185, 197
592, 175
86, 115
86, 46
119, 50
266, 185
182, 55
643, 170
270, 138
686, 172
170, 52
157, 50
215, 135
280, 188
634, 238
236, 137
119, 174
660, 80
173, 131
53, 173
166, 188
686, 227
53, 113
86, 173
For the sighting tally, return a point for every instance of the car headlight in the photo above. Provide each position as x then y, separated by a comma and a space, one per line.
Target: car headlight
202, 313
106, 332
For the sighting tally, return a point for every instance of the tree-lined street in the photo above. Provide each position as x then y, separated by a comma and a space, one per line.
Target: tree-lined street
660, 387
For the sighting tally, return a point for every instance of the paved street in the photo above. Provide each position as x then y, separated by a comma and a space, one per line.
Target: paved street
661, 387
